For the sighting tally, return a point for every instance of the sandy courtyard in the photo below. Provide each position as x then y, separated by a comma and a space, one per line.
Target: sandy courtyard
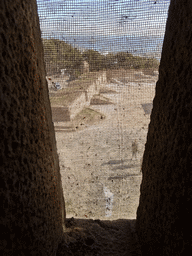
100, 178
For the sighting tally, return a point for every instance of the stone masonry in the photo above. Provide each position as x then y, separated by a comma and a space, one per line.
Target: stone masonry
164, 213
32, 204
33, 212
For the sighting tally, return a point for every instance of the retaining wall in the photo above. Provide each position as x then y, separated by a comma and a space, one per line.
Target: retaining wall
85, 97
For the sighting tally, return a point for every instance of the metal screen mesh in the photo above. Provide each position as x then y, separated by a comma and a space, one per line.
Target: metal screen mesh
102, 60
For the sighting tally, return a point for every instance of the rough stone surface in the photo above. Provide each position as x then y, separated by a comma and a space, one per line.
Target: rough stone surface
32, 204
164, 213
32, 212
102, 238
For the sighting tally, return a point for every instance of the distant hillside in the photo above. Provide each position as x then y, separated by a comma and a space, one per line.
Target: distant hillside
60, 55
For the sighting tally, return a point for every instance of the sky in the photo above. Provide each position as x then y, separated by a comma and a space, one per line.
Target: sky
103, 18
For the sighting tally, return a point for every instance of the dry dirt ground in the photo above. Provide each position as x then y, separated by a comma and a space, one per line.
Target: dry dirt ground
100, 175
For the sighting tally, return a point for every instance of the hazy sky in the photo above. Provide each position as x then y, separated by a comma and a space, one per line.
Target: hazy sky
103, 17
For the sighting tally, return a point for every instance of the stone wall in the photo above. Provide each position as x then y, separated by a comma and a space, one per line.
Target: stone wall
32, 204
85, 97
33, 211
164, 212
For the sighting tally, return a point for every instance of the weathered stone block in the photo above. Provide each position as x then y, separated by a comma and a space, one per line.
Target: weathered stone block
32, 212
164, 212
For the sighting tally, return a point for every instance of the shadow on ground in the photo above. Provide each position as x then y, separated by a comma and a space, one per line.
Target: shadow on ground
96, 237
147, 107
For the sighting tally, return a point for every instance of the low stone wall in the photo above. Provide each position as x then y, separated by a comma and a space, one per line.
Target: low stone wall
85, 97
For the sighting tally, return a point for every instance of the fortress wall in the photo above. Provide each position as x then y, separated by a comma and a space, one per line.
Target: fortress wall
32, 204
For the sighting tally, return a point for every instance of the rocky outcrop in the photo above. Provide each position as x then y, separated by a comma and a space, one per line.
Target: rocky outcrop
164, 212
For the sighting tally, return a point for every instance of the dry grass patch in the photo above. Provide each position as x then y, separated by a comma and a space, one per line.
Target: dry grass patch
64, 98
87, 116
100, 100
107, 90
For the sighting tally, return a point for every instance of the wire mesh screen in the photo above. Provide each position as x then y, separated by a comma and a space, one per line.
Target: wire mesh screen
102, 60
